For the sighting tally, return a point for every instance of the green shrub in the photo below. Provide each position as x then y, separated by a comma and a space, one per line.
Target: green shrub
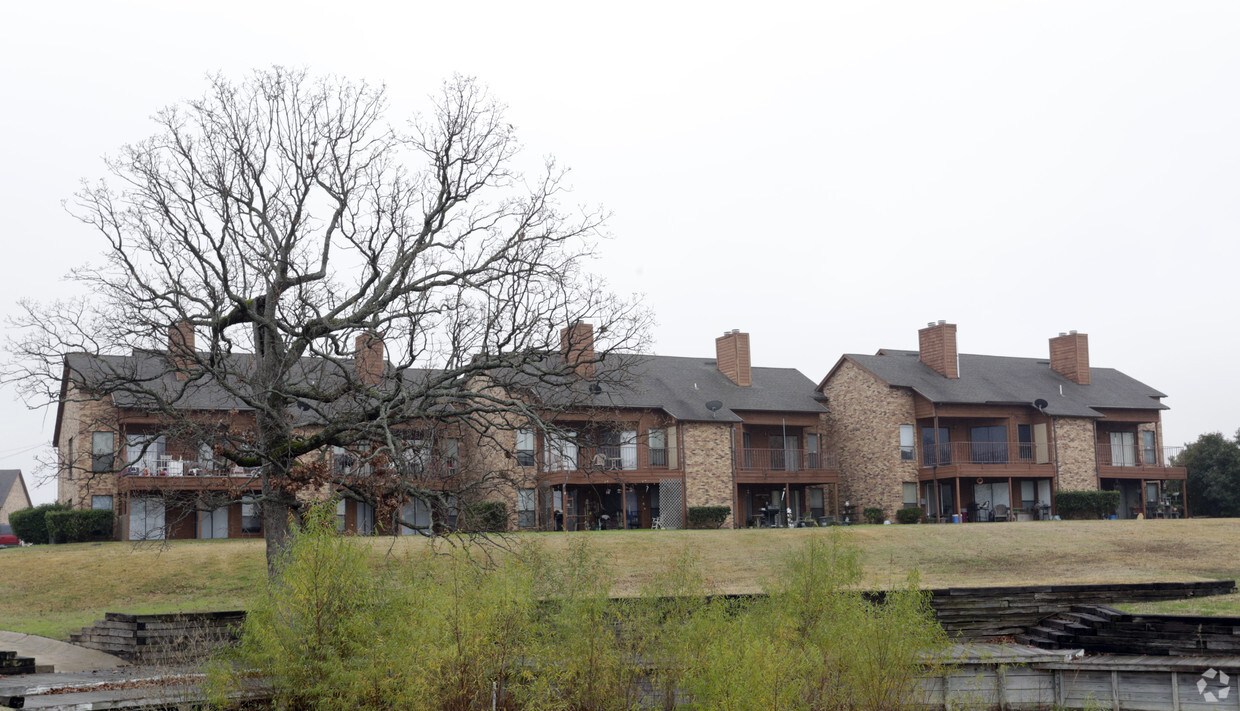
483, 517
30, 525
912, 514
1086, 504
872, 514
541, 631
79, 525
708, 516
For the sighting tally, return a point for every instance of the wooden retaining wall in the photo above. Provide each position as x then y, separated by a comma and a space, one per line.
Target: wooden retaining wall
965, 613
161, 639
1122, 683
984, 613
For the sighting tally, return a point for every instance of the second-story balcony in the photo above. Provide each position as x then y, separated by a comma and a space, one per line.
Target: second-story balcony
759, 465
629, 462
1128, 461
987, 458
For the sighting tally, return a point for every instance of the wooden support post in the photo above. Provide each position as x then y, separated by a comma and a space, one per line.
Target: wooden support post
959, 513
624, 507
787, 505
1175, 691
1011, 508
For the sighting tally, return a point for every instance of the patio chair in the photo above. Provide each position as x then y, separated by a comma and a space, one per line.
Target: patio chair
1001, 513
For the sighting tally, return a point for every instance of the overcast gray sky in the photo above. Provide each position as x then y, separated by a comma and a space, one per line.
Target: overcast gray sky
826, 176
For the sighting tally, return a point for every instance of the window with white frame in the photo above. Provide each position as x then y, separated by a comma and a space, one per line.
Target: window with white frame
251, 516
102, 447
525, 508
906, 443
525, 448
340, 515
910, 494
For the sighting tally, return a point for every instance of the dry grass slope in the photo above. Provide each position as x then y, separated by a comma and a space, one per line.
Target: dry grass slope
53, 590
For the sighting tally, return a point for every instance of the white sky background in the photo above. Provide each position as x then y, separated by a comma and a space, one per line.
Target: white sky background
828, 177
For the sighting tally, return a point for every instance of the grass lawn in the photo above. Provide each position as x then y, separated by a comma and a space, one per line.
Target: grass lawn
54, 590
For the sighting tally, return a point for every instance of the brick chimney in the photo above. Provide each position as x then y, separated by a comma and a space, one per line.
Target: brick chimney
577, 347
181, 348
368, 358
936, 344
732, 356
1070, 356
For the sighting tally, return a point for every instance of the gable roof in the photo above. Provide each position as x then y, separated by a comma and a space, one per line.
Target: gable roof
1003, 380
681, 387
11, 482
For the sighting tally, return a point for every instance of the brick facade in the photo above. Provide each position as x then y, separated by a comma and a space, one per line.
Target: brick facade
708, 464
864, 426
1077, 452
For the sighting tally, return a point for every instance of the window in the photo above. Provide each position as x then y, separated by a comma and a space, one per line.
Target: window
145, 452
365, 518
451, 452
206, 457
101, 502
340, 517
657, 444
910, 494
525, 508
525, 448
1149, 448
932, 455
1123, 449
989, 444
812, 451
101, 451
251, 516
561, 452
906, 443
1024, 436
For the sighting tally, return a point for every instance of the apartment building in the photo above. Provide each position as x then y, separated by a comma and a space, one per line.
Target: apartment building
984, 437
657, 435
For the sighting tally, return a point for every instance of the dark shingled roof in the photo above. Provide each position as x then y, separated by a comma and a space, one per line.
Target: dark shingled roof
988, 379
150, 371
682, 386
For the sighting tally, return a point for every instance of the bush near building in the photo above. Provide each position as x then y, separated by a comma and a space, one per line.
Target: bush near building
1079, 505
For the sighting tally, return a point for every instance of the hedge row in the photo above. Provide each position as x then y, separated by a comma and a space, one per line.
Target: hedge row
483, 517
79, 526
708, 516
30, 525
1086, 504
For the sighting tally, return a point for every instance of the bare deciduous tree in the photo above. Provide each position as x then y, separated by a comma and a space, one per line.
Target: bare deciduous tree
349, 282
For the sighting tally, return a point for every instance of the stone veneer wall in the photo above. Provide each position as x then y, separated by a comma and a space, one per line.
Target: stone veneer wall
492, 463
708, 464
864, 428
1077, 452
75, 483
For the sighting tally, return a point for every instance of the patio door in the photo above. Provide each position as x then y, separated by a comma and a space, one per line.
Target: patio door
214, 523
146, 519
784, 453
1123, 449
989, 444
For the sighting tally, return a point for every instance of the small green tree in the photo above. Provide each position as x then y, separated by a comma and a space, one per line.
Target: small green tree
1213, 464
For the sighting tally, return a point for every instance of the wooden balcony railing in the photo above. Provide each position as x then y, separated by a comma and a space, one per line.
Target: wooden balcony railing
785, 460
561, 457
165, 465
1114, 455
983, 453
